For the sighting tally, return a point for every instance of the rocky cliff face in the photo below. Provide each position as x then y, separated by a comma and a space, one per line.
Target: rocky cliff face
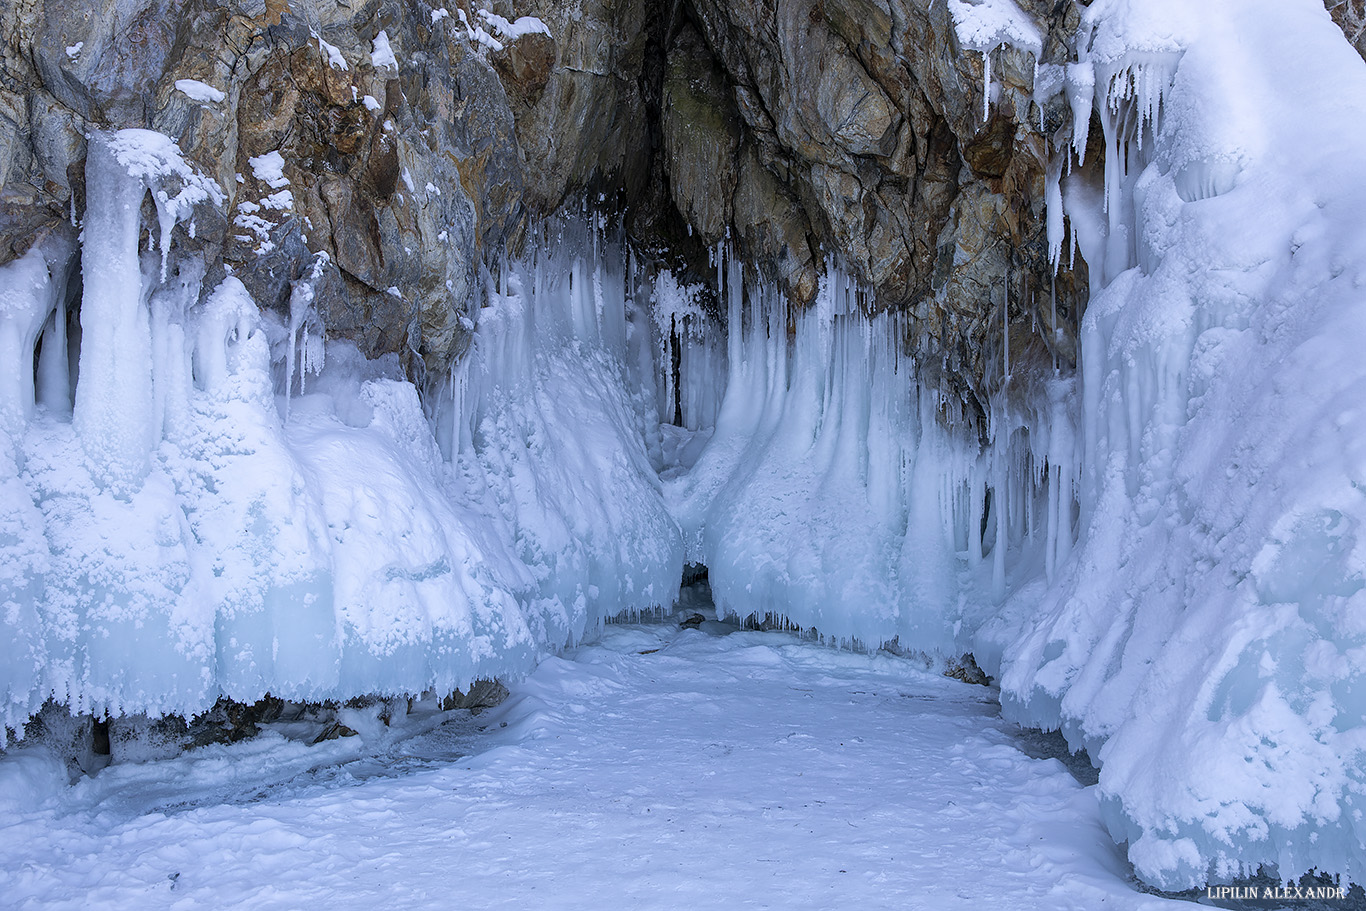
856, 128
416, 142
402, 174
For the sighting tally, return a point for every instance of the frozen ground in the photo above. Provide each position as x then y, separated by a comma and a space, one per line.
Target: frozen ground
660, 768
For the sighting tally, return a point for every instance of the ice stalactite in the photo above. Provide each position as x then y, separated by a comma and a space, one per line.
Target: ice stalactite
842, 494
307, 351
53, 380
690, 354
115, 408
32, 293
986, 27
171, 308
986, 83
554, 420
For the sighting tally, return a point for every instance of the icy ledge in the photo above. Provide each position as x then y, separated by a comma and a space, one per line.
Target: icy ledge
176, 540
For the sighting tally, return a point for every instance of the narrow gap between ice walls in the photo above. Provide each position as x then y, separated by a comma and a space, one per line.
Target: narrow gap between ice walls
232, 505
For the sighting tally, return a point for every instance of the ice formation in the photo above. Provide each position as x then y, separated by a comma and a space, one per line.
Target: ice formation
1206, 643
1161, 556
839, 492
551, 419
1174, 576
691, 353
178, 538
986, 25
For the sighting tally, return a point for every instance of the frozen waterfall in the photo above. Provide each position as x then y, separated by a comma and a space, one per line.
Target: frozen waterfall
178, 540
1206, 642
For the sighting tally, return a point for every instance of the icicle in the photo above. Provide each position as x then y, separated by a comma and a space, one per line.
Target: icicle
303, 370
976, 505
1053, 318
1005, 321
986, 84
301, 297
1081, 90
113, 412
999, 500
28, 295
54, 375
1054, 212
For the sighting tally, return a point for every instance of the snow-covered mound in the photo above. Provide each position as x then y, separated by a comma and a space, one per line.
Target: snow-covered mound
1208, 641
169, 537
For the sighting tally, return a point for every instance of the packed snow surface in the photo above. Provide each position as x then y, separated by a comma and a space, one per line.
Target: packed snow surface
706, 768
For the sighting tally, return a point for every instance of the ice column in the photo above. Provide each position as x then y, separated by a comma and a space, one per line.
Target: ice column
116, 414
28, 295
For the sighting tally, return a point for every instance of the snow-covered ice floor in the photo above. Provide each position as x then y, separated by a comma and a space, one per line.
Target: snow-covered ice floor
659, 768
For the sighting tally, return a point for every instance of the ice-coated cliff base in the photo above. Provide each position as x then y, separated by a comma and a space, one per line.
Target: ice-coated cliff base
1205, 643
1162, 556
201, 501
841, 492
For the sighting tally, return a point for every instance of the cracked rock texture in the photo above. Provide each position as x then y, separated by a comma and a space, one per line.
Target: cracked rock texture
862, 135
802, 130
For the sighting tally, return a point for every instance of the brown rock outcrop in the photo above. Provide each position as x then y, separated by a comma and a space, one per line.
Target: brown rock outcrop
801, 129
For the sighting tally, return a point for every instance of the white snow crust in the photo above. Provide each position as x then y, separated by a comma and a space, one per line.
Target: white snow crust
383, 54
199, 91
332, 54
702, 769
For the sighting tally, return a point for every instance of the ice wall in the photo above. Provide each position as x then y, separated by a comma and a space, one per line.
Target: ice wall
842, 494
1207, 642
552, 420
215, 521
